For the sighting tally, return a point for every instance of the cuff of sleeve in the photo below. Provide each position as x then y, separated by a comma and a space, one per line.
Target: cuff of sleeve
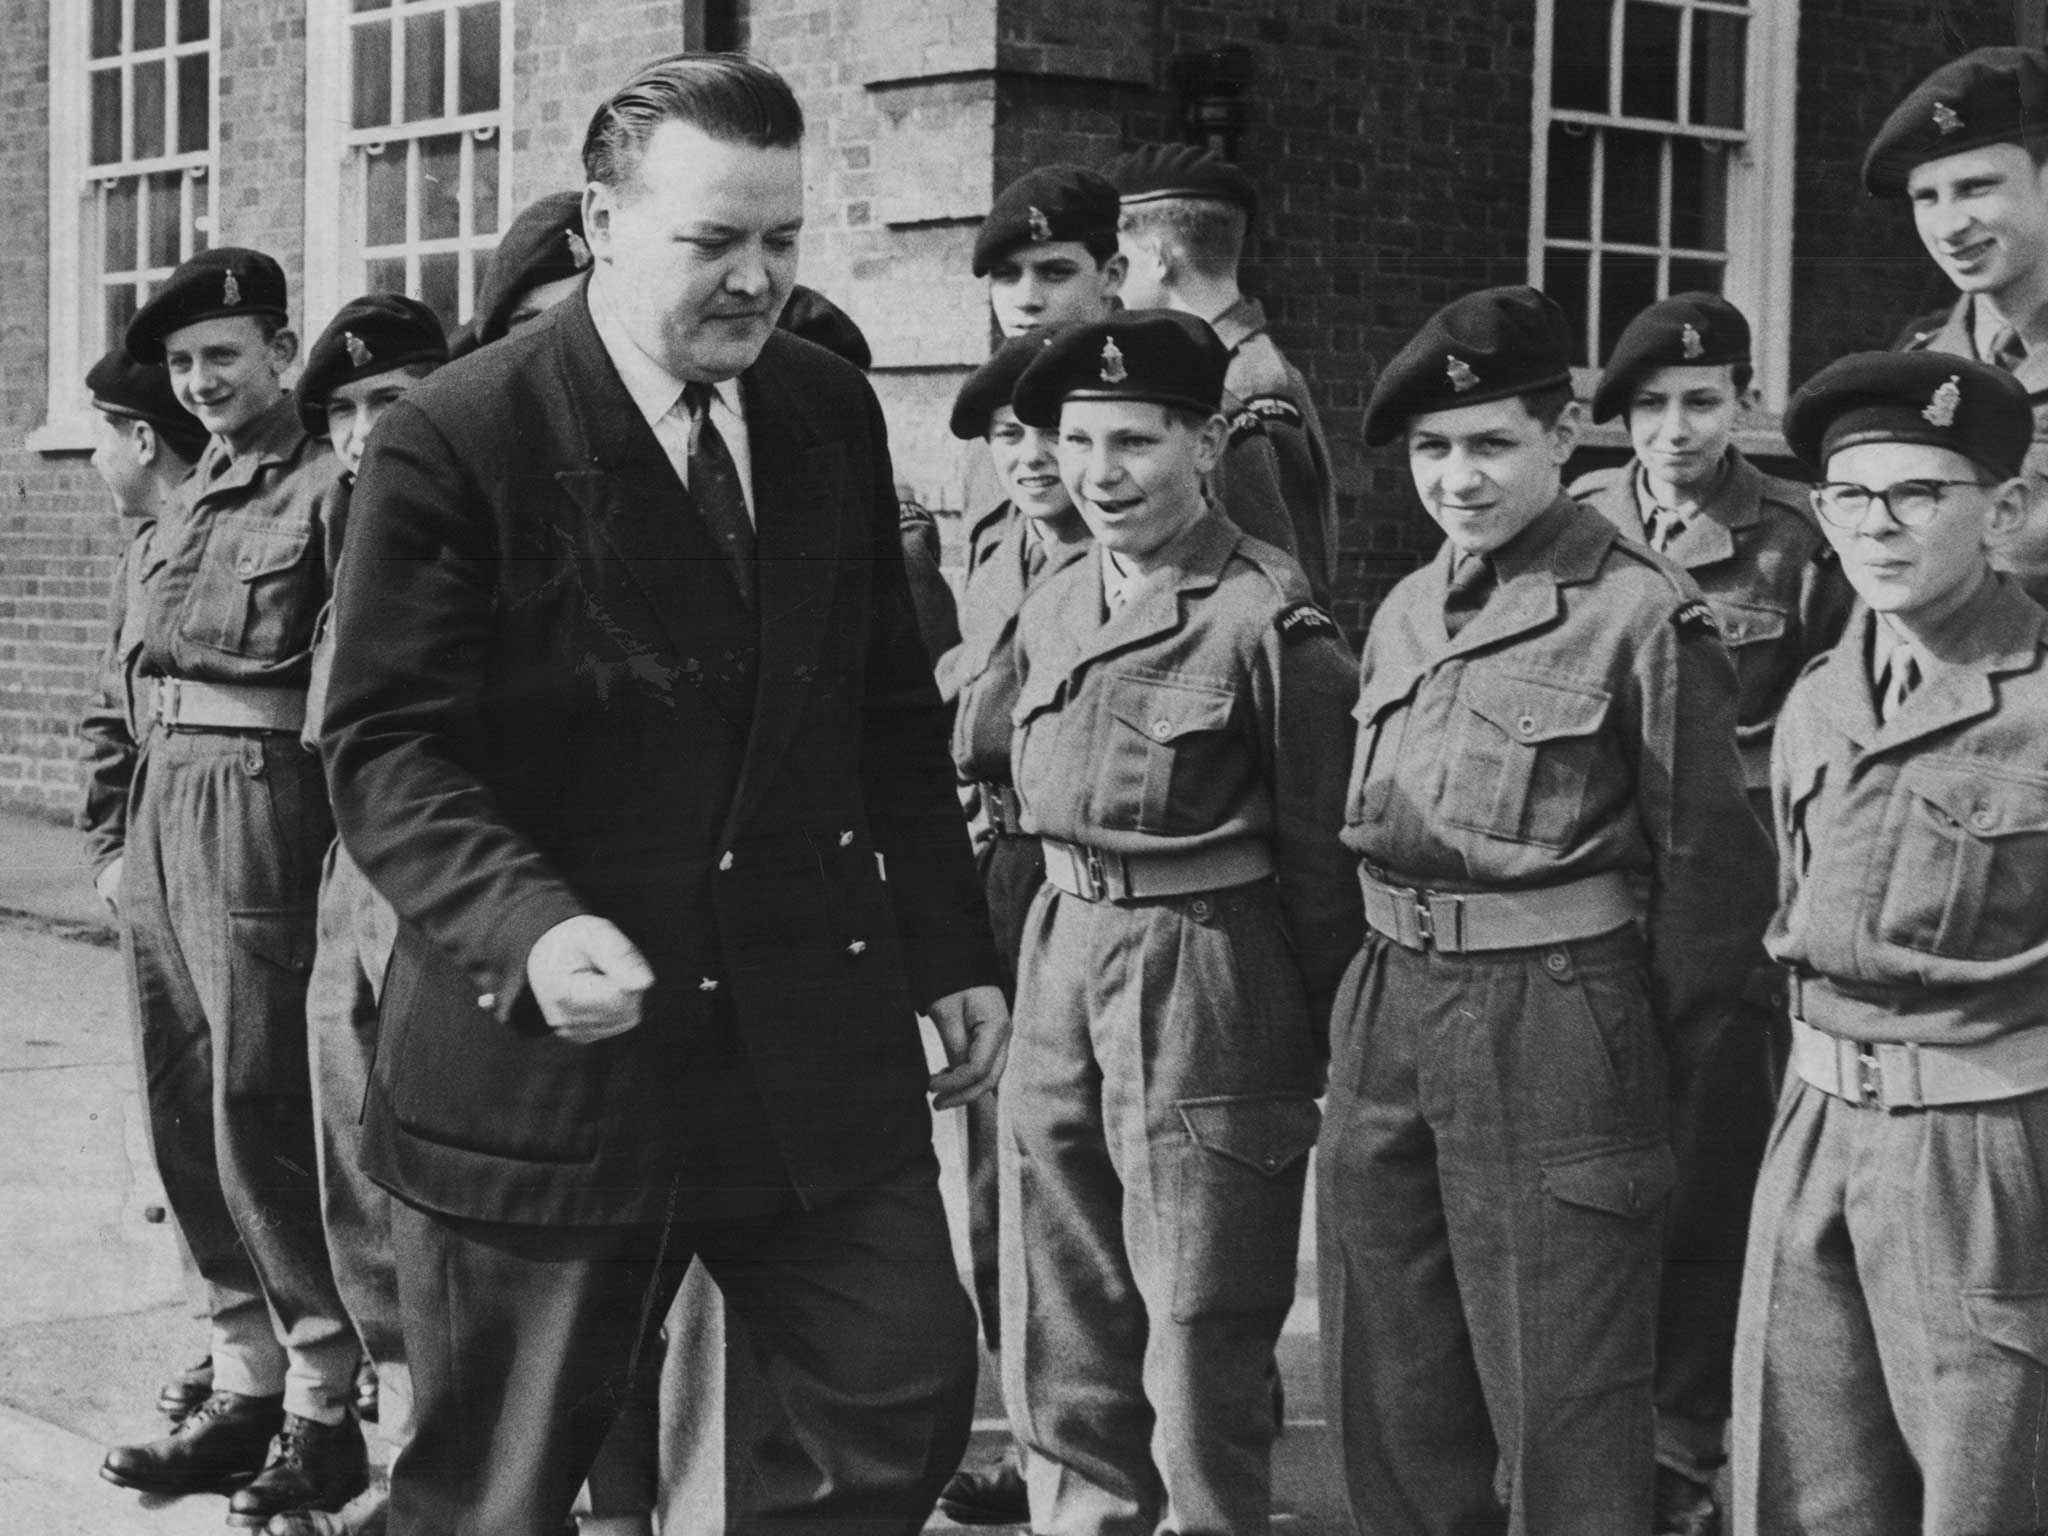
501, 977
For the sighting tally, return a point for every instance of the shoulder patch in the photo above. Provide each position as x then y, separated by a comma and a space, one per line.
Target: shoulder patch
1304, 621
1696, 618
1273, 408
1244, 424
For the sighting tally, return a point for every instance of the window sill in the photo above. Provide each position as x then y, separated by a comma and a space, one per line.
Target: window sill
63, 434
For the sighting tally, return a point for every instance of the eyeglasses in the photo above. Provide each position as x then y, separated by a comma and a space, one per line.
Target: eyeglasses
1912, 503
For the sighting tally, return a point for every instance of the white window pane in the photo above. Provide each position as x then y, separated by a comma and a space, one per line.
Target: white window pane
195, 116
371, 74
1569, 196
165, 218
106, 28
118, 227
477, 60
106, 116
193, 20
1649, 61
440, 287
384, 197
1699, 195
483, 179
441, 187
1634, 167
1565, 275
1719, 66
1578, 72
1628, 285
149, 24
426, 67
150, 103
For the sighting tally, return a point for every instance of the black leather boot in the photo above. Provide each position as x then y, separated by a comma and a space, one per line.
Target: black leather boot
177, 1397
314, 1466
220, 1444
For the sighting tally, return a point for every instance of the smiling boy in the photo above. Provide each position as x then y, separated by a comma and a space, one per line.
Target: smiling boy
1892, 1355
1175, 752
1680, 378
1564, 886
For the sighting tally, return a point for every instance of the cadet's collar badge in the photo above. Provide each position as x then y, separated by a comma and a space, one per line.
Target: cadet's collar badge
1460, 373
1689, 340
1941, 408
1041, 226
1113, 370
358, 353
230, 291
579, 249
1946, 119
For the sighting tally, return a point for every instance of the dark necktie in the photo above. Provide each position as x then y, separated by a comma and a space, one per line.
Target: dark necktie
1663, 528
1471, 585
1901, 677
715, 488
2007, 350
1034, 557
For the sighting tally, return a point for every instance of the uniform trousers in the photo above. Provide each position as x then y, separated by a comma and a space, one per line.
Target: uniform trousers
224, 850
1718, 1132
1891, 1365
1012, 870
357, 929
1158, 1111
526, 1341
1493, 1165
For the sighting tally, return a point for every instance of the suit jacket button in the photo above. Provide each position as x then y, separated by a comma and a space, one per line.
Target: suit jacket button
726, 862
846, 838
487, 1000
857, 947
708, 984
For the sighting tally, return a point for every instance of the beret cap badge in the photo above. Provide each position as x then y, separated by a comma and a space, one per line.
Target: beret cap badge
1041, 226
579, 248
1689, 341
1113, 370
1946, 118
230, 290
1460, 373
1941, 407
358, 351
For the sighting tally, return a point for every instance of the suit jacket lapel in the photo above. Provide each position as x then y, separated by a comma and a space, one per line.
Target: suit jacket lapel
799, 528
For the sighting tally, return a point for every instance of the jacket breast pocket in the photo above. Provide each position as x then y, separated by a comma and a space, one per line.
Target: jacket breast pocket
1966, 881
1754, 634
1522, 751
250, 597
1376, 752
1167, 762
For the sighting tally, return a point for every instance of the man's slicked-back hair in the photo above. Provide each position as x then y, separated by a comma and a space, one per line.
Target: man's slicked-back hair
725, 96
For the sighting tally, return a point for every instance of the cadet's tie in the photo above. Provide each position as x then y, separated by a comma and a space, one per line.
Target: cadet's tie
2008, 351
1034, 556
715, 488
1901, 677
1664, 527
1471, 585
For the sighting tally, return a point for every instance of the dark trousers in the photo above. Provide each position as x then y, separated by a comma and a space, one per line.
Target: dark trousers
224, 853
1891, 1366
1492, 1168
525, 1342
1718, 1133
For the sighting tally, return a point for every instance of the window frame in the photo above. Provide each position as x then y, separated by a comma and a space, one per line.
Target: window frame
1761, 177
75, 274
336, 275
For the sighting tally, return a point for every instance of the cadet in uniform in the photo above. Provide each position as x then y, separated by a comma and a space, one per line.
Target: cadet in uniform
1175, 752
1033, 534
1186, 212
372, 353
144, 446
228, 827
539, 261
1679, 376
1565, 887
1968, 147
1049, 251
1891, 1366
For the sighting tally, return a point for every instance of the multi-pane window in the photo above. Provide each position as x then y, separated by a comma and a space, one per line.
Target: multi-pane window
1645, 124
149, 152
426, 113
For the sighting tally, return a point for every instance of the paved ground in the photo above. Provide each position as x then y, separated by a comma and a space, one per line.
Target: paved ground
90, 1311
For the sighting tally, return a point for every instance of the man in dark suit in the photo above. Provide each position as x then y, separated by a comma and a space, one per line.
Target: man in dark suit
631, 723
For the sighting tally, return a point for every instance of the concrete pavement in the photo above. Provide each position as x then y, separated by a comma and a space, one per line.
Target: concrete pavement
91, 1317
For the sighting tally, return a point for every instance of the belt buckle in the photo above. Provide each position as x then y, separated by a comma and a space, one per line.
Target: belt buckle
1098, 880
1425, 918
1869, 1078
168, 692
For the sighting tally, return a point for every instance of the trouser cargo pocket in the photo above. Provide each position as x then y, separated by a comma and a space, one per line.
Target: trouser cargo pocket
1241, 1174
1602, 1250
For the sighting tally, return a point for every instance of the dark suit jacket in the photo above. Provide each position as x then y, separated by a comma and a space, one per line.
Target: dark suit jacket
550, 698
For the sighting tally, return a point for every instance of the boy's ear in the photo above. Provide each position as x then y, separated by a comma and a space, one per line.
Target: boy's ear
1564, 437
2012, 503
284, 347
1114, 269
1211, 438
1746, 402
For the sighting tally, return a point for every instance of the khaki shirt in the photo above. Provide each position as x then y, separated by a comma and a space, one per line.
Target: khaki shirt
1582, 722
1275, 391
248, 560
1913, 855
1768, 574
1204, 712
116, 722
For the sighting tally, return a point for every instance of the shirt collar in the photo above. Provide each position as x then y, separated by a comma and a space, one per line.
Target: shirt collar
654, 390
1647, 502
1527, 549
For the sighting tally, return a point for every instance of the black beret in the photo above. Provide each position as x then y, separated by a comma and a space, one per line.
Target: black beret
120, 386
1154, 172
1989, 96
818, 320
1935, 398
543, 245
991, 386
1490, 345
228, 280
1159, 355
1687, 330
370, 335
1054, 202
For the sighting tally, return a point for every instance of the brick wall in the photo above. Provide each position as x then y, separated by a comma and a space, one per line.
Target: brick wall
565, 58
